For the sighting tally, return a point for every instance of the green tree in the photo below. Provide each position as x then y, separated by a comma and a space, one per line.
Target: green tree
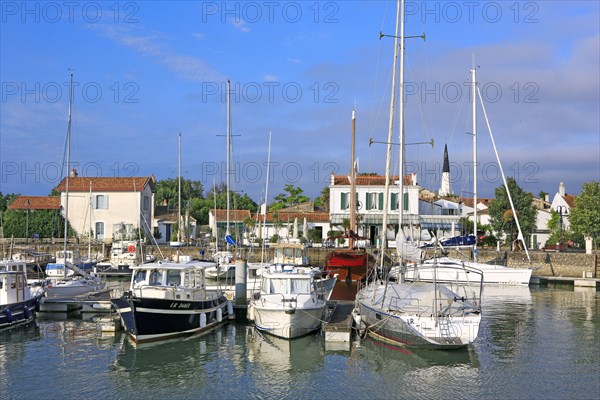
199, 208
501, 215
46, 223
322, 201
6, 200
168, 189
585, 216
294, 196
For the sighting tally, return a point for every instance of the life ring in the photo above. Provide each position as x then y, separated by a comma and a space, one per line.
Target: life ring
131, 249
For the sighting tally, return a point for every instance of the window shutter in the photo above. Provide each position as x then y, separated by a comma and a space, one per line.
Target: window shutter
381, 201
394, 201
405, 201
344, 201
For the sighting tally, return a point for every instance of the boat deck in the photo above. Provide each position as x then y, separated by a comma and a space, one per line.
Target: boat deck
96, 302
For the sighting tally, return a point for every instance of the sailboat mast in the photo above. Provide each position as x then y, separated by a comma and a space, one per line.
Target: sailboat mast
227, 168
264, 212
401, 136
67, 177
90, 229
352, 185
179, 188
474, 111
389, 141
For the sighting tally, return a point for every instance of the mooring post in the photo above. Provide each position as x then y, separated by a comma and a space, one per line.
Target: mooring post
240, 282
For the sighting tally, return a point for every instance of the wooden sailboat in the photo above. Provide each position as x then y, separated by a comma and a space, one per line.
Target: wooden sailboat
350, 264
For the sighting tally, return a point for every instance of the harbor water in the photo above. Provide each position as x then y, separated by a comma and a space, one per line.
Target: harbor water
534, 343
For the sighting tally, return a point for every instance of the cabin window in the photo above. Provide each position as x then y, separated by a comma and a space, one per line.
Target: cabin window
300, 286
1, 284
101, 202
140, 276
155, 278
278, 285
173, 278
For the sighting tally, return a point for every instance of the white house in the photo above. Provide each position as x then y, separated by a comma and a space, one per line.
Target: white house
103, 206
562, 204
370, 203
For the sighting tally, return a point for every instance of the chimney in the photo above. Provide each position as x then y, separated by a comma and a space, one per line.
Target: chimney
332, 179
73, 173
547, 198
561, 189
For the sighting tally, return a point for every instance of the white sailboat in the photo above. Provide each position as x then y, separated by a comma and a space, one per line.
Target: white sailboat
416, 314
492, 274
81, 281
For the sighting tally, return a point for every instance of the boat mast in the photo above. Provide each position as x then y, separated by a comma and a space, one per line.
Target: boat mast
227, 168
179, 188
401, 138
264, 212
90, 230
474, 111
67, 177
352, 186
389, 141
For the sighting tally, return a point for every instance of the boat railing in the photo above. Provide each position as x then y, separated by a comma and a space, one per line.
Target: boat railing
170, 292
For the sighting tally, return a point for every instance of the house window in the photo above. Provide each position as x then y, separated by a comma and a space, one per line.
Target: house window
100, 230
345, 201
395, 204
101, 202
374, 201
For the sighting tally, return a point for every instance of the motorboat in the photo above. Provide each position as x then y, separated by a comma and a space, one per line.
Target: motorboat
19, 300
291, 301
170, 298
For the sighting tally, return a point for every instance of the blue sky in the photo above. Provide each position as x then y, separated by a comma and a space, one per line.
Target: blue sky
146, 71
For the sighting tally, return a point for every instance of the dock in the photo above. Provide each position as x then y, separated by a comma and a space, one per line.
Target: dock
561, 280
338, 327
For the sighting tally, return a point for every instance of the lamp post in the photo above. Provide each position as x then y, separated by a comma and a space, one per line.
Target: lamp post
562, 211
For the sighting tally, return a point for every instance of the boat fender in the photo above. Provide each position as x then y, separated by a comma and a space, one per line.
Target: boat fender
9, 315
131, 249
357, 318
251, 312
230, 310
219, 314
202, 320
37, 305
27, 312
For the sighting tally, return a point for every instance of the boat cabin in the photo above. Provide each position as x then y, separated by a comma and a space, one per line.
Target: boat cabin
171, 280
289, 253
13, 284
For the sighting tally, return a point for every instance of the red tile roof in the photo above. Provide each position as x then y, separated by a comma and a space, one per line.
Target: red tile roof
468, 201
101, 184
234, 215
570, 200
35, 203
369, 180
284, 217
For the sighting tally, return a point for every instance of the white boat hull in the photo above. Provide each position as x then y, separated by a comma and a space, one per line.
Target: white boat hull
288, 323
412, 316
72, 287
492, 274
